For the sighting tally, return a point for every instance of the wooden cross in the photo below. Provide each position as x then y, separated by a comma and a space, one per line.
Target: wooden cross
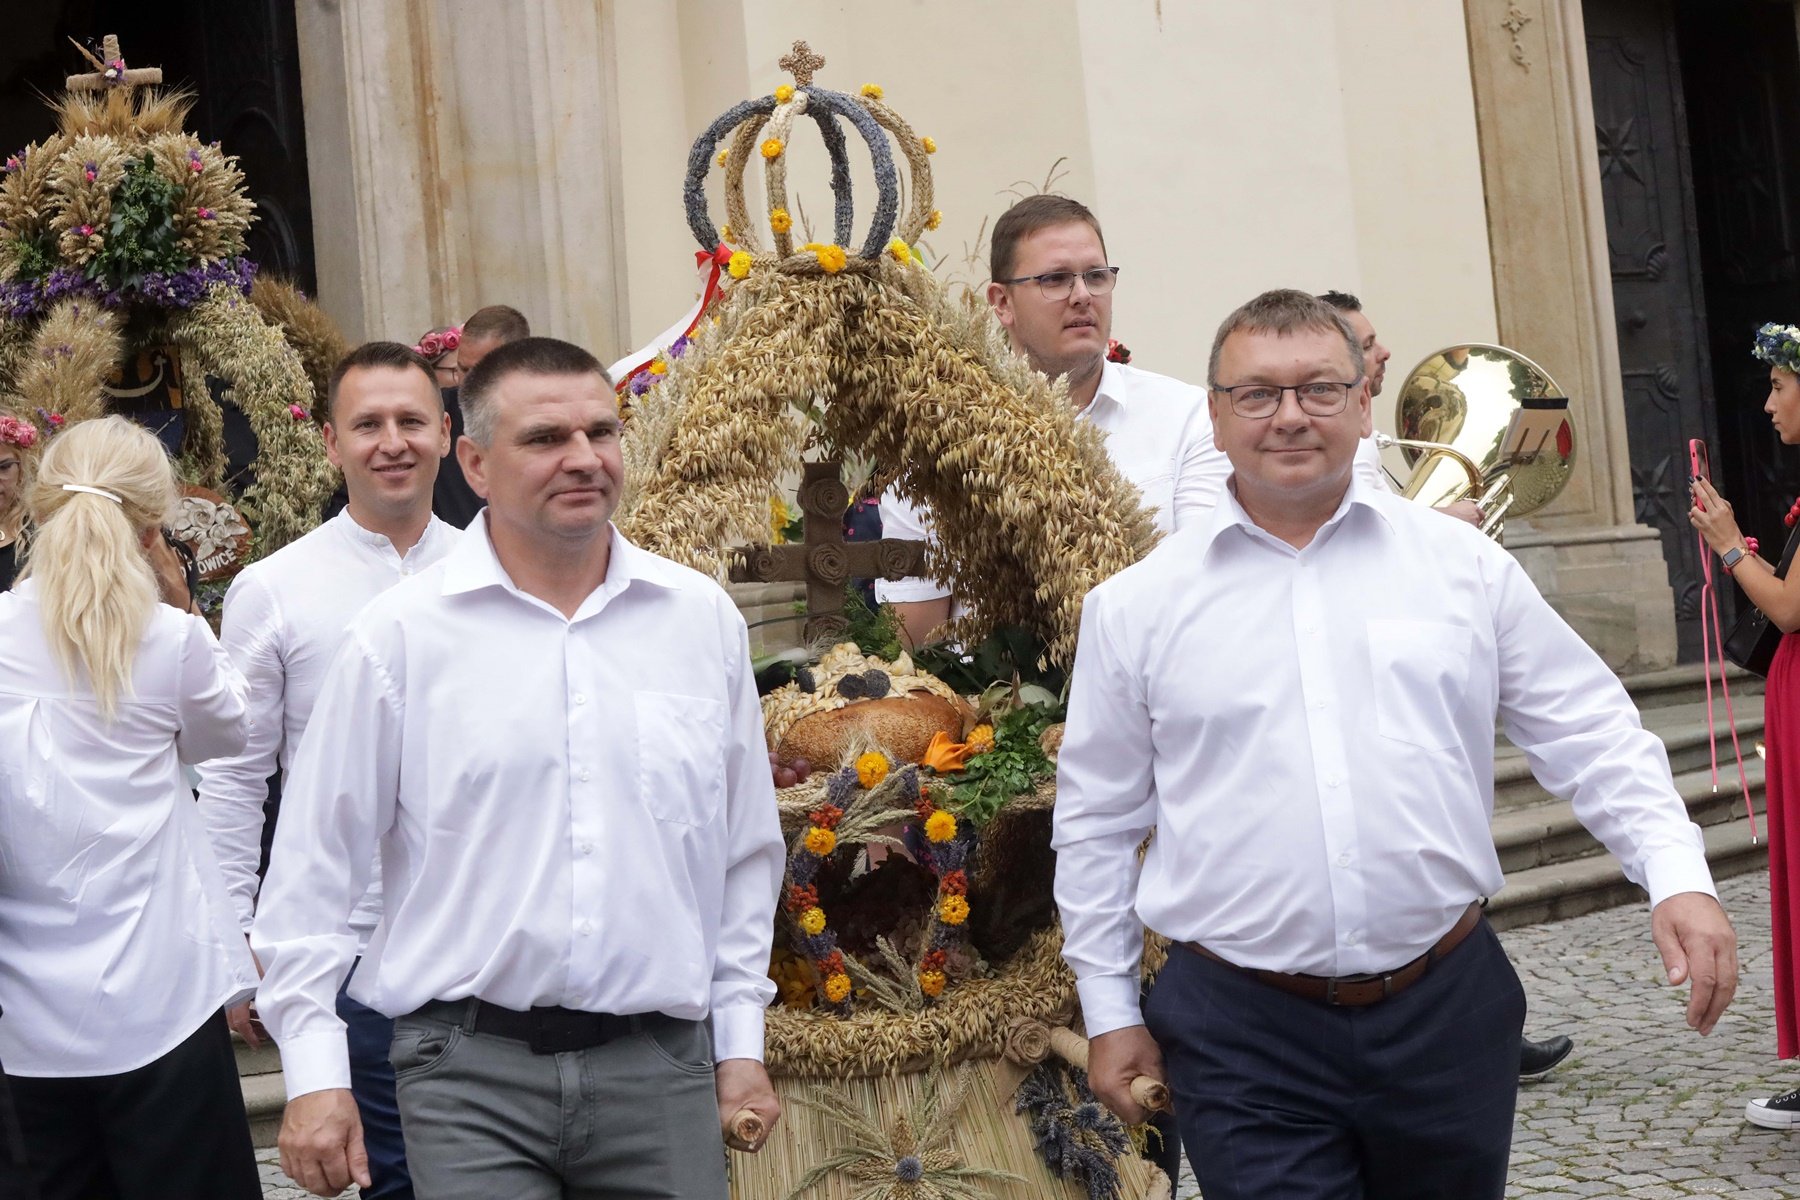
825, 562
801, 63
110, 70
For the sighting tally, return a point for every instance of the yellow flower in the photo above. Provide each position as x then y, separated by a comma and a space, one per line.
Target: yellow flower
723, 155
900, 250
929, 143
813, 921
779, 516
940, 826
771, 148
831, 258
821, 841
779, 221
725, 233
837, 988
981, 739
934, 220
932, 982
953, 910
739, 266
872, 90
784, 93
871, 768
658, 367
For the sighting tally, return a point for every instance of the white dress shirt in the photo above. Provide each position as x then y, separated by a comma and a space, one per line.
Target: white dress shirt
116, 937
572, 812
1311, 735
285, 617
1159, 434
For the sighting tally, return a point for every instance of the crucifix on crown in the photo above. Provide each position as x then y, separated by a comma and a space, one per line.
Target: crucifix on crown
110, 70
825, 562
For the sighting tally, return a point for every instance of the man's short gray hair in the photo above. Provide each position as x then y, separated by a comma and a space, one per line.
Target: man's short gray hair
527, 356
1284, 311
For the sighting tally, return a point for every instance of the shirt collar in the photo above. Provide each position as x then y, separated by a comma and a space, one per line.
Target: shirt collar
348, 525
1113, 387
1228, 513
472, 564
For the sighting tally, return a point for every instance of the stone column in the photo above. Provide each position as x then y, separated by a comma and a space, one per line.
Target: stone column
1600, 568
464, 153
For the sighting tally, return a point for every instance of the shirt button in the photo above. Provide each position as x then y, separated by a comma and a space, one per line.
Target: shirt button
587, 847
580, 699
1344, 859
1317, 704
587, 927
1353, 937
1330, 780
584, 775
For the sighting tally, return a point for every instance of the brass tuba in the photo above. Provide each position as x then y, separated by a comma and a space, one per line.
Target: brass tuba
1483, 423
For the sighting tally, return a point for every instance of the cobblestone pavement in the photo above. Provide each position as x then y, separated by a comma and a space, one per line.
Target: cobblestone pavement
1644, 1107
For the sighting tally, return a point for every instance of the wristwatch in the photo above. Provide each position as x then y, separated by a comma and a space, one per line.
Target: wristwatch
1732, 557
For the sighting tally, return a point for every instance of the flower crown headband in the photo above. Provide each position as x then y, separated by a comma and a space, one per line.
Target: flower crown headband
14, 432
438, 343
1779, 346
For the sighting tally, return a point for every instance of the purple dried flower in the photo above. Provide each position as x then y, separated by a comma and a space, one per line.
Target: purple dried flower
679, 347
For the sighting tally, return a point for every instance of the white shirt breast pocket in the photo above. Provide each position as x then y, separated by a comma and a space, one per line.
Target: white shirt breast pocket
1421, 672
681, 756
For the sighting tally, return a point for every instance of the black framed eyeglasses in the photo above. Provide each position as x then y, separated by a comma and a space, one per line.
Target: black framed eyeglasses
1057, 285
1254, 401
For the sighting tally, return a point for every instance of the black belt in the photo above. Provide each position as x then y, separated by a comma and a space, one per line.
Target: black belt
545, 1030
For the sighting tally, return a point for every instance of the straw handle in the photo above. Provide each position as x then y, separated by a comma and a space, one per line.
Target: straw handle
747, 1127
1072, 1048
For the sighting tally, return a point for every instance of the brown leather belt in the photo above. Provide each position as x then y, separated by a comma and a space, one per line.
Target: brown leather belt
1358, 991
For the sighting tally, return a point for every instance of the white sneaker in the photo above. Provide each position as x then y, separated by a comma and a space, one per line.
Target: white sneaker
1777, 1112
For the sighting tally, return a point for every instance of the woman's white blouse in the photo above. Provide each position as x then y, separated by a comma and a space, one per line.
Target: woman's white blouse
117, 939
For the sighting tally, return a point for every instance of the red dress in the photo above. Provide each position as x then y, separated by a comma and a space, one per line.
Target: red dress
1781, 738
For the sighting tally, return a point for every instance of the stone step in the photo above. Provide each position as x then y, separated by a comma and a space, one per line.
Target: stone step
1684, 731
1548, 833
265, 1095
1558, 891
1682, 684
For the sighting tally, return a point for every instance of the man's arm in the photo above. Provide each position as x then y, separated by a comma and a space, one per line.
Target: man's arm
1105, 805
923, 604
741, 987
1201, 472
338, 801
233, 790
1581, 734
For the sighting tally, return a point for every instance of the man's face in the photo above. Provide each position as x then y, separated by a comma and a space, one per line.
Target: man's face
554, 470
1292, 456
387, 431
470, 353
1375, 355
1058, 336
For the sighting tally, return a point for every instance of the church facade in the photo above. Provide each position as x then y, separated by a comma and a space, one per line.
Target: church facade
1602, 185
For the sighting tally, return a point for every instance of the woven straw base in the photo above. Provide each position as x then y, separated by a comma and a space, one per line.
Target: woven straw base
987, 1134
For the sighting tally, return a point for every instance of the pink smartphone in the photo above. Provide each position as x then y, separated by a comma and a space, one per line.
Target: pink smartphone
1699, 463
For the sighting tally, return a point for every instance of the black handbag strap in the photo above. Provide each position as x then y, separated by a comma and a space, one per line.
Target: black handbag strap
1787, 553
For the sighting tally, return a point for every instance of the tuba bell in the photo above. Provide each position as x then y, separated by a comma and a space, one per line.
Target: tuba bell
1483, 423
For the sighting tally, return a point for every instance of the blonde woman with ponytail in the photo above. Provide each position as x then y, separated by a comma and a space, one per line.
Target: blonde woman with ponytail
119, 948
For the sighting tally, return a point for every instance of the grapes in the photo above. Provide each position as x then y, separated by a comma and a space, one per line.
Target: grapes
801, 768
785, 777
787, 774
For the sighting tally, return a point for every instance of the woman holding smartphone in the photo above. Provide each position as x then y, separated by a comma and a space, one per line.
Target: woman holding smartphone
119, 949
1779, 600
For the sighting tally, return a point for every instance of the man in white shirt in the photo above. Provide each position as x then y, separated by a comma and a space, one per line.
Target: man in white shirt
285, 617
554, 738
1298, 695
1052, 289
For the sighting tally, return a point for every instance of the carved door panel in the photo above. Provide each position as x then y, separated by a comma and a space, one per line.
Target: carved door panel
1641, 129
1742, 65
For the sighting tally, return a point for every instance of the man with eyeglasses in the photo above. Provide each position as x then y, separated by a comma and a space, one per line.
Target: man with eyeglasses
1052, 289
1298, 695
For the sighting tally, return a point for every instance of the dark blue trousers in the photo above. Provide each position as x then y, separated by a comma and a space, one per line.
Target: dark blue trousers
372, 1084
1282, 1098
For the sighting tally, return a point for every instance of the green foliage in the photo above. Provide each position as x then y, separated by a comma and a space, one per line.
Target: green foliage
1015, 765
141, 237
37, 256
1011, 655
874, 630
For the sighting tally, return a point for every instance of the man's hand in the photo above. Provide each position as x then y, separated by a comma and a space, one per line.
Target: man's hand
742, 1083
1117, 1058
246, 1024
171, 574
322, 1142
1698, 943
1463, 510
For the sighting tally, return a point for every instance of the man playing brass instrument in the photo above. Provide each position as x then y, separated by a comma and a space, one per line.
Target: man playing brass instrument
1299, 694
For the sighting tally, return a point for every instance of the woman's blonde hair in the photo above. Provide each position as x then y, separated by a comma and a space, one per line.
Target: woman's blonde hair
94, 581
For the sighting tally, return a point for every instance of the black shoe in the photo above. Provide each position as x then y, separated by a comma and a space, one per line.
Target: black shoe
1537, 1059
1777, 1112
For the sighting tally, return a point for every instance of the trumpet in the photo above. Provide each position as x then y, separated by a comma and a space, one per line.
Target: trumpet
1483, 423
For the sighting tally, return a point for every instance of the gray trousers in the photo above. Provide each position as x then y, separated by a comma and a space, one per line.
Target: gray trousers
484, 1117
